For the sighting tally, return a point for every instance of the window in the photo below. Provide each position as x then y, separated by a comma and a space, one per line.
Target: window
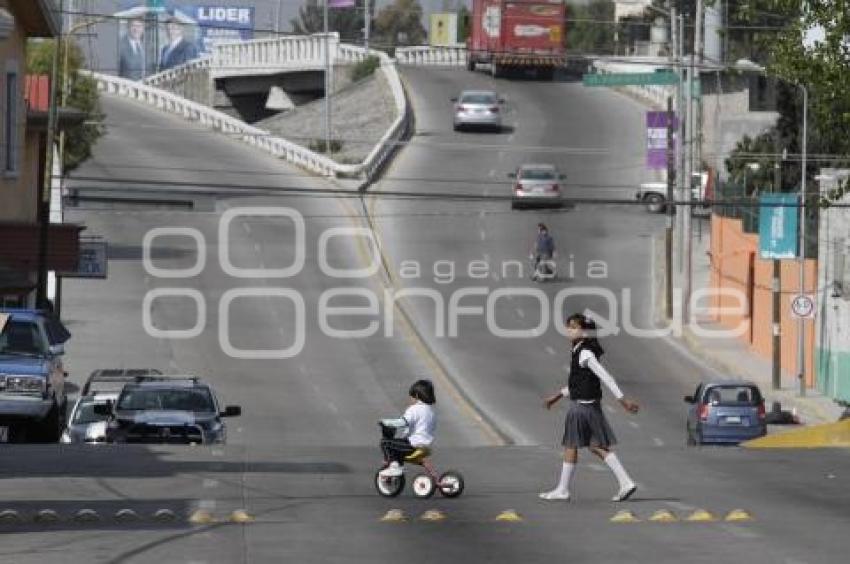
10, 124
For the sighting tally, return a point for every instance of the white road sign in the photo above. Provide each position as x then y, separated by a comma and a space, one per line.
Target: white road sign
803, 305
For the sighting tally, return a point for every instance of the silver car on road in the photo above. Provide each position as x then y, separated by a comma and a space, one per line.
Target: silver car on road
479, 109
536, 185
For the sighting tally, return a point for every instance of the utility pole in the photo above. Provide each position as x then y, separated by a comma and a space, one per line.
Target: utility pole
693, 156
801, 323
776, 287
668, 234
327, 83
47, 184
366, 26
680, 177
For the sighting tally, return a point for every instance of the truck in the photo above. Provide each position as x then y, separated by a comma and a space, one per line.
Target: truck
33, 398
653, 193
517, 35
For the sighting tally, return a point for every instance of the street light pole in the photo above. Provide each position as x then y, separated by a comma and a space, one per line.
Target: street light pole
327, 82
366, 26
801, 322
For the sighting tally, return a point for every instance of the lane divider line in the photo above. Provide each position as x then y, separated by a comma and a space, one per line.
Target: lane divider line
448, 382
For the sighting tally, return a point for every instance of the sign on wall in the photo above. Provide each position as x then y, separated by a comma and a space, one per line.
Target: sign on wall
93, 261
778, 223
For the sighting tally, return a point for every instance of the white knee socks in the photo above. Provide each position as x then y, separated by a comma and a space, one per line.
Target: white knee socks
566, 478
617, 468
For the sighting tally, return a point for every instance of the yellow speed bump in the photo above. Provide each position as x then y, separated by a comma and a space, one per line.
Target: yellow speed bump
701, 516
828, 435
433, 515
241, 516
509, 515
10, 516
46, 516
625, 516
201, 517
739, 515
394, 516
663, 516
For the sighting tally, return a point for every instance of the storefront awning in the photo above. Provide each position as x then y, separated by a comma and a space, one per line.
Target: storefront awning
19, 245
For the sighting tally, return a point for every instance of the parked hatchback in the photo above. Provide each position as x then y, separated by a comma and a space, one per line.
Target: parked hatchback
725, 412
478, 108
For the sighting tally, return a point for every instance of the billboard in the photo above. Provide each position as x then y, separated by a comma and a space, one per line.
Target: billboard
222, 23
156, 36
443, 30
656, 140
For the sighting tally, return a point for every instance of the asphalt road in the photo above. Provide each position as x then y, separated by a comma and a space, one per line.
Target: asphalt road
301, 458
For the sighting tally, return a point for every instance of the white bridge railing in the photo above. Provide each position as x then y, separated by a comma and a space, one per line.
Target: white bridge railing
146, 93
654, 94
427, 55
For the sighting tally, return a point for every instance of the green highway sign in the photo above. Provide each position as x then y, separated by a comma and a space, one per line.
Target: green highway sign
630, 78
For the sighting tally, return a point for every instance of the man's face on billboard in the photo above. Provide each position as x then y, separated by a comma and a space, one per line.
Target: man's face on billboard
136, 29
175, 31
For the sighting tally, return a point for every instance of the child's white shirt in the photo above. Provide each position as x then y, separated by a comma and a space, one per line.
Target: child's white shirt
421, 424
587, 359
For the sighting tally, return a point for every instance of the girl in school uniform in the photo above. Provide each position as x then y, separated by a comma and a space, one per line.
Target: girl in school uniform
586, 425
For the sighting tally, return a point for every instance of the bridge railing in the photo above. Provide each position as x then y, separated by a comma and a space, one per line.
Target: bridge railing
190, 80
274, 52
427, 55
277, 146
217, 121
653, 94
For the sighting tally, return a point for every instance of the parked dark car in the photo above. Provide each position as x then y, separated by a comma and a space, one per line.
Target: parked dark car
33, 401
167, 410
725, 412
85, 424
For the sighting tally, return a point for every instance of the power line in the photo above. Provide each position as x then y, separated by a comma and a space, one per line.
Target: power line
744, 201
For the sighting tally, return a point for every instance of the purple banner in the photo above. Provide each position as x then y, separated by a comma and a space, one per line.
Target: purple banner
656, 140
341, 3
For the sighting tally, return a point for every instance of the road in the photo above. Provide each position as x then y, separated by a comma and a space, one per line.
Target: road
301, 458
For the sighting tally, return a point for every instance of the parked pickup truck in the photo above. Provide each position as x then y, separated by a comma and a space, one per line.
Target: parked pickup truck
654, 193
32, 379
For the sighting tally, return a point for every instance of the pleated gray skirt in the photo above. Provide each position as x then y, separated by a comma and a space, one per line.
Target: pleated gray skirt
586, 426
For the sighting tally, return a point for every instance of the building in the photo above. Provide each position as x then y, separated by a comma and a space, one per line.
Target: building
23, 139
832, 343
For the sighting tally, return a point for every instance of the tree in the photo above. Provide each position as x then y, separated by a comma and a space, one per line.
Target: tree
400, 23
348, 22
464, 18
590, 27
823, 66
82, 95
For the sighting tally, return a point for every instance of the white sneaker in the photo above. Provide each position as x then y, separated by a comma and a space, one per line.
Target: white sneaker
392, 471
555, 495
625, 493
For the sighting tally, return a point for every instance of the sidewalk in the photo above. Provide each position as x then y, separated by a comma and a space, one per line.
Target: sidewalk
732, 357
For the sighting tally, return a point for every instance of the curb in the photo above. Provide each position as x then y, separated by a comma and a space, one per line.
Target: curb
827, 435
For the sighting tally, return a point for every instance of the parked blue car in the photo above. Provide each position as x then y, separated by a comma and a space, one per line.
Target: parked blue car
725, 412
33, 401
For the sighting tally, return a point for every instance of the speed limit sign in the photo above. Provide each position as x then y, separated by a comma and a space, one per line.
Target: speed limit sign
803, 305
